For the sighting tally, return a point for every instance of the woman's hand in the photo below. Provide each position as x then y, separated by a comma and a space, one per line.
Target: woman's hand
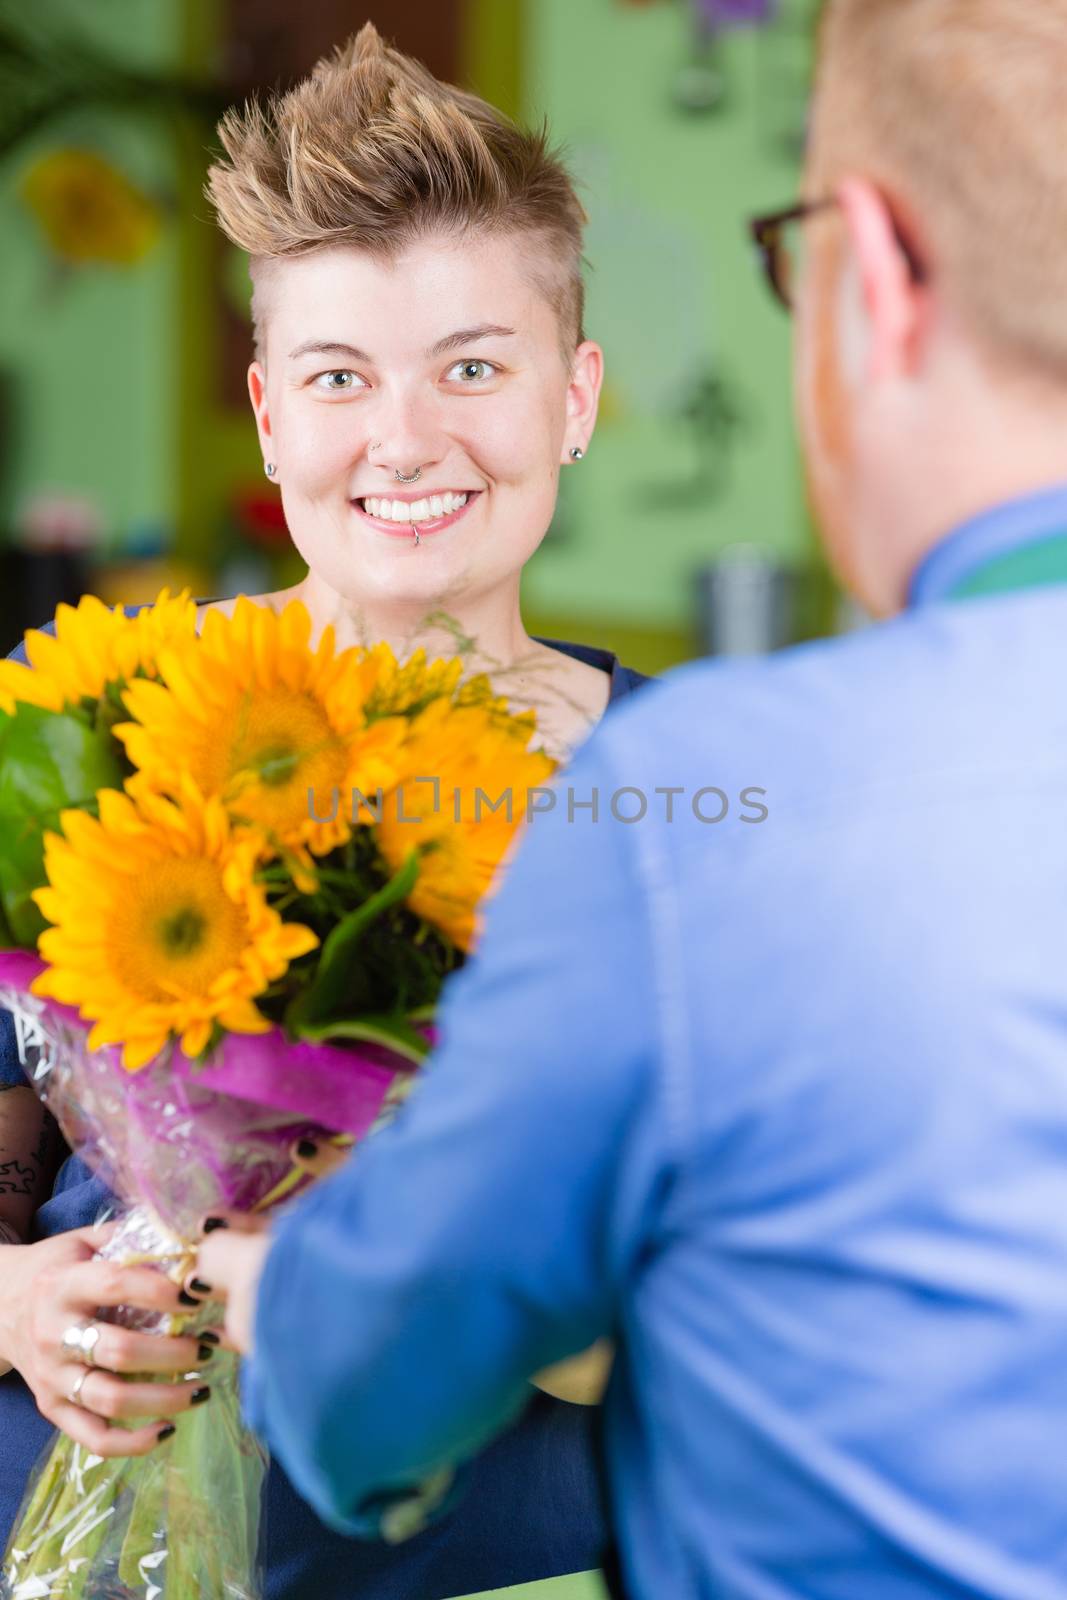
57, 1284
229, 1267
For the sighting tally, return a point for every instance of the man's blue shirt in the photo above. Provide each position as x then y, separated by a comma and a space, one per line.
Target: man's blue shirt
780, 1105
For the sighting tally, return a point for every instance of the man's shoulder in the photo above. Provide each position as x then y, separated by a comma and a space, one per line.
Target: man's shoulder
819, 689
855, 725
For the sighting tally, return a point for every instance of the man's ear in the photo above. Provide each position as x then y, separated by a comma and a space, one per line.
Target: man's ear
257, 393
895, 303
583, 396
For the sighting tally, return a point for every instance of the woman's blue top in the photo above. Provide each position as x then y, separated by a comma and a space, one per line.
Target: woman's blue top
532, 1506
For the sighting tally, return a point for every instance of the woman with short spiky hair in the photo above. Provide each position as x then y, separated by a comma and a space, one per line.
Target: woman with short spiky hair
420, 377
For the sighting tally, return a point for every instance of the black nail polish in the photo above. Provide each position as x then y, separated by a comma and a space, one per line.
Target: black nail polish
199, 1396
186, 1299
198, 1286
209, 1339
165, 1433
211, 1223
307, 1149
205, 1352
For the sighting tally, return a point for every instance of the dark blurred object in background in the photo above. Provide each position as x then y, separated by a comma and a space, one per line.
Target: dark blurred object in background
751, 602
46, 559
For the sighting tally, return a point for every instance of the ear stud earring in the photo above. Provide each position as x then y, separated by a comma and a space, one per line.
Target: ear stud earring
269, 468
577, 453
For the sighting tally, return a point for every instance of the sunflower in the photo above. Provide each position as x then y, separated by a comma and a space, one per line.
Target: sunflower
278, 731
93, 648
460, 837
405, 690
181, 936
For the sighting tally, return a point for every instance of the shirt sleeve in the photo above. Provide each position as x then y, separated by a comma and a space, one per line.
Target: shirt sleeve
486, 1232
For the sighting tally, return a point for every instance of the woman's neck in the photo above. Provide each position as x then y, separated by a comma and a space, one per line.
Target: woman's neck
488, 629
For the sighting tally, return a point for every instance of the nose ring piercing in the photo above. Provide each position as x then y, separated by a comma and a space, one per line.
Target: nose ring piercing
577, 453
403, 477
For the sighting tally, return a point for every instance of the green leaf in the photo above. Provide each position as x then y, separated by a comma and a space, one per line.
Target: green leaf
396, 1033
48, 761
326, 992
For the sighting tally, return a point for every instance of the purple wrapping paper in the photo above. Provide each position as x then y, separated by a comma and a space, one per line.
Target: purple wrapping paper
304, 1079
185, 1139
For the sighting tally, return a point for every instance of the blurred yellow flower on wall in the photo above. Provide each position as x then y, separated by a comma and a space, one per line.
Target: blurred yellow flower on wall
88, 210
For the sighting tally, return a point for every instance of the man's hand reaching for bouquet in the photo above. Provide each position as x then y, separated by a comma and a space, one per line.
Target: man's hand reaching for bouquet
58, 1285
228, 1268
235, 1245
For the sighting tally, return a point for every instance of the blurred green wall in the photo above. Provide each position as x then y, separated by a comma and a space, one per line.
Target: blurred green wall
90, 356
673, 291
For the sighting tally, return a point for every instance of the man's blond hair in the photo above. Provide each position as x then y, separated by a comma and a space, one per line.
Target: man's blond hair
957, 109
373, 152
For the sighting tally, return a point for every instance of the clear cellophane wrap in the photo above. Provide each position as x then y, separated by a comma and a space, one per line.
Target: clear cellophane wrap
174, 1142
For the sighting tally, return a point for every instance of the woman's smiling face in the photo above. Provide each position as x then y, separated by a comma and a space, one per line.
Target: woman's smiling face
446, 358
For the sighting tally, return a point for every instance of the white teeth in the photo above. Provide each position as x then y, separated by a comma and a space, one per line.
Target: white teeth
437, 505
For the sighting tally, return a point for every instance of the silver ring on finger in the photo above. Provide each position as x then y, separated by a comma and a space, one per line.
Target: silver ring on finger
80, 1341
75, 1395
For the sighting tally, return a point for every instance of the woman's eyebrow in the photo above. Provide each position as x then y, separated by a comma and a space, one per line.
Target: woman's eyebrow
328, 347
484, 330
451, 341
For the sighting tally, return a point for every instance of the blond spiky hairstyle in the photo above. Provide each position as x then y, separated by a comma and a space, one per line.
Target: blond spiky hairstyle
373, 151
956, 108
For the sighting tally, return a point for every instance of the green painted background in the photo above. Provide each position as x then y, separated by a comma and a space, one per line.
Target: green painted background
92, 359
671, 284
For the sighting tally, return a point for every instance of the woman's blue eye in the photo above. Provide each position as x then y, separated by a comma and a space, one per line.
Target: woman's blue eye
472, 371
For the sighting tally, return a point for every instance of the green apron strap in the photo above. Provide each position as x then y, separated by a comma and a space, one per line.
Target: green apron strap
1032, 566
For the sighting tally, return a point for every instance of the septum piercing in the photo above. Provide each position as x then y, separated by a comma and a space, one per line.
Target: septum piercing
403, 477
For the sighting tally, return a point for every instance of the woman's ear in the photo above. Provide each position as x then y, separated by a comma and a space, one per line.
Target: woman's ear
895, 303
257, 393
583, 397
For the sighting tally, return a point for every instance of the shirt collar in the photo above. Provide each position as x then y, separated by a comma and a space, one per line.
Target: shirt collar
989, 537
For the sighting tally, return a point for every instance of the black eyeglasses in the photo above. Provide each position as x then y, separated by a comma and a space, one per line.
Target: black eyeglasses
777, 259
775, 256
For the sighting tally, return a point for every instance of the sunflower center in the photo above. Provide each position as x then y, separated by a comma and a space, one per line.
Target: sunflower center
177, 929
182, 932
271, 748
276, 766
275, 732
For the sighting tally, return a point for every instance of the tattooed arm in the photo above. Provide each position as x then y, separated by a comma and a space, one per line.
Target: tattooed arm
29, 1149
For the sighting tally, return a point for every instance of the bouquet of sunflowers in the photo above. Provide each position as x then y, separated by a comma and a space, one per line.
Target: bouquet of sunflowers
236, 867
